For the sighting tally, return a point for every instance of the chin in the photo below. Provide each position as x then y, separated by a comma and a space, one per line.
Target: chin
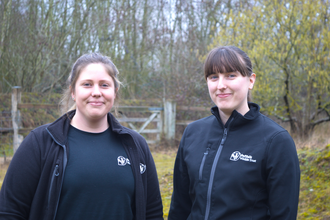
97, 116
226, 110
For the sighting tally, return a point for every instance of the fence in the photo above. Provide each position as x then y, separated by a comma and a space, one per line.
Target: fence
5, 129
153, 122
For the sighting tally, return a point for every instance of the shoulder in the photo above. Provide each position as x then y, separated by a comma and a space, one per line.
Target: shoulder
268, 125
139, 142
279, 141
203, 122
135, 135
122, 130
41, 130
200, 130
45, 134
35, 145
37, 135
273, 133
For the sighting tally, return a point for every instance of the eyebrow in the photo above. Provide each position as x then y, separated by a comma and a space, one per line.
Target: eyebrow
102, 80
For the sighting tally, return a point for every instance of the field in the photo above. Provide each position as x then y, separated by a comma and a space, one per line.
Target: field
314, 203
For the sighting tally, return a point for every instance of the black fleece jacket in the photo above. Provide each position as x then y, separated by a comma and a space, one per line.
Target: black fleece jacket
245, 169
32, 186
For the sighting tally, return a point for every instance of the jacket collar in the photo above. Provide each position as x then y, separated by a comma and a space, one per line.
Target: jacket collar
236, 119
59, 129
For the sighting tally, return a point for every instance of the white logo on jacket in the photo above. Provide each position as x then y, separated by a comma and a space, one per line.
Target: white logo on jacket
235, 156
142, 168
122, 161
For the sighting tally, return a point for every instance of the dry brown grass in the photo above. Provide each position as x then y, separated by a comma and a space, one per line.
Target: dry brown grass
319, 139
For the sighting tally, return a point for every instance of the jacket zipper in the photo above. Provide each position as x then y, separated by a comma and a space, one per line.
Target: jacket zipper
64, 166
55, 174
214, 165
203, 162
65, 160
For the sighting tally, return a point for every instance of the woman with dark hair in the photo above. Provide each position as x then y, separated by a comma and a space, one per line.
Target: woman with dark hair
85, 165
236, 163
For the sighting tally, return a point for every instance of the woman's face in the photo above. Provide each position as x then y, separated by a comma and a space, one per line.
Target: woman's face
229, 91
94, 93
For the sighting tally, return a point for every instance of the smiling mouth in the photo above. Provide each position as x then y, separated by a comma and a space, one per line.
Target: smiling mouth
96, 103
225, 95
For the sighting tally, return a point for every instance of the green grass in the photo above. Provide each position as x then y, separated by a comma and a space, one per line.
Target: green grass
164, 164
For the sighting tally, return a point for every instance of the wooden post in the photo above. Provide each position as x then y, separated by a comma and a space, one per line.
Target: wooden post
169, 120
159, 126
15, 100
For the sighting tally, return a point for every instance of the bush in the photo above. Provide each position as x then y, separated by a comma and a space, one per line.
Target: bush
314, 201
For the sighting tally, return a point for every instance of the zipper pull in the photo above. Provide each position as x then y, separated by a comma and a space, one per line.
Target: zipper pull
224, 136
56, 173
207, 151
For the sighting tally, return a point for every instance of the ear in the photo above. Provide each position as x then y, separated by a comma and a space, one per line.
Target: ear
72, 93
252, 80
116, 91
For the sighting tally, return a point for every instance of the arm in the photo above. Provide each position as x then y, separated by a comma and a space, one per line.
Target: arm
283, 177
21, 181
181, 202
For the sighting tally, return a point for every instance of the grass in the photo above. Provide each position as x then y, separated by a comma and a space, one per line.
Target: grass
314, 201
3, 169
164, 161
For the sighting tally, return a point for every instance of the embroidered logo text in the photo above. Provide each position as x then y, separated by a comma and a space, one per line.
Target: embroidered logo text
235, 156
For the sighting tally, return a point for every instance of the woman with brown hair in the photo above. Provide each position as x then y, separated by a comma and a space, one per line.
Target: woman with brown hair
85, 165
237, 163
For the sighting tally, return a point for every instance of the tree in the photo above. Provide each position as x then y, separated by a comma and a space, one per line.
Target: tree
288, 42
39, 40
156, 45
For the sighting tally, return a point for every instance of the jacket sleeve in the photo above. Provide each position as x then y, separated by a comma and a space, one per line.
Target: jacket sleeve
181, 203
154, 206
283, 177
21, 181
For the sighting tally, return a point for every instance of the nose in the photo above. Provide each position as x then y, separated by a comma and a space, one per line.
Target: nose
96, 91
221, 83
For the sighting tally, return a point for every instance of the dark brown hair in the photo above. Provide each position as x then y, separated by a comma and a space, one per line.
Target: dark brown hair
227, 59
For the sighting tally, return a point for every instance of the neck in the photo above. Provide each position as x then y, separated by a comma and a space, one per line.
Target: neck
92, 126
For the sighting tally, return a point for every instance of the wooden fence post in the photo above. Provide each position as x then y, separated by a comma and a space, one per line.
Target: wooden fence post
15, 100
169, 120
